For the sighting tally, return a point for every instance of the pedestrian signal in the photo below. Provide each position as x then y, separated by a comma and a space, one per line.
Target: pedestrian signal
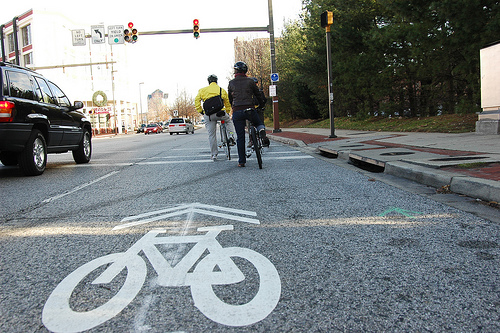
326, 19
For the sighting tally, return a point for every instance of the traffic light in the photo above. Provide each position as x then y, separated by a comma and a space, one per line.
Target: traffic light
131, 34
326, 19
196, 28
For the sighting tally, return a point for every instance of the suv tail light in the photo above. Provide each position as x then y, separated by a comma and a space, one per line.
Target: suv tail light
6, 111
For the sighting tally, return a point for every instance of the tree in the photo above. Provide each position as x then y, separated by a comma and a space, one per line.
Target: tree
184, 104
390, 57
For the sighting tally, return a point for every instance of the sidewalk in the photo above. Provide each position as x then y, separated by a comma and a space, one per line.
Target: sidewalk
465, 163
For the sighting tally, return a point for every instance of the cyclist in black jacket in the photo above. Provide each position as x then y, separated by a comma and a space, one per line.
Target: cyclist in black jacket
243, 92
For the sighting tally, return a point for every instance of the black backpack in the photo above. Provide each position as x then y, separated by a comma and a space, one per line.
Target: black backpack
213, 104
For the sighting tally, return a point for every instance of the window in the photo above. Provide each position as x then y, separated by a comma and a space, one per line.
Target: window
61, 99
20, 85
26, 33
10, 39
43, 92
28, 59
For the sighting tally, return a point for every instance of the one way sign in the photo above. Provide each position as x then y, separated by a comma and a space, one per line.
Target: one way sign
97, 33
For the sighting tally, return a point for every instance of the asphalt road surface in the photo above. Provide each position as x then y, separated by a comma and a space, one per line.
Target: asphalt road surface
152, 236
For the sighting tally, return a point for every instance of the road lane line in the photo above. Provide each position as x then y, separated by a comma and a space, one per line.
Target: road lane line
79, 187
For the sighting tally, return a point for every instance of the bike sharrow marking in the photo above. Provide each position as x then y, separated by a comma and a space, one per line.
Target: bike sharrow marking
260, 307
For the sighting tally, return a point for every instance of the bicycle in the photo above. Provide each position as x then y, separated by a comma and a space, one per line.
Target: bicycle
224, 140
214, 268
257, 146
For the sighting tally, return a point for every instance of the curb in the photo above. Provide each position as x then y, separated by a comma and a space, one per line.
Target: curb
484, 189
291, 142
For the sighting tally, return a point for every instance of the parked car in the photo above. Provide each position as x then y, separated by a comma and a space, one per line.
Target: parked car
36, 119
153, 128
180, 125
141, 128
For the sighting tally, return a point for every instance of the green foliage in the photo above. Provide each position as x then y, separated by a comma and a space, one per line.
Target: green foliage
390, 57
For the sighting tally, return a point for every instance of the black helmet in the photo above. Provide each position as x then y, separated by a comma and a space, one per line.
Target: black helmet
240, 67
212, 78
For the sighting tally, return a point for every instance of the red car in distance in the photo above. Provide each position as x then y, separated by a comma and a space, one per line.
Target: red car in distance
153, 128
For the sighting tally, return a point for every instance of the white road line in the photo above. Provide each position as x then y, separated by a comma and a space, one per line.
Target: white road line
79, 187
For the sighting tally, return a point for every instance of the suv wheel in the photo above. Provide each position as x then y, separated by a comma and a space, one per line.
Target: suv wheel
8, 158
33, 159
84, 151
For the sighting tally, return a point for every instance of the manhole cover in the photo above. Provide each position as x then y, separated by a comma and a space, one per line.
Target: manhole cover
398, 153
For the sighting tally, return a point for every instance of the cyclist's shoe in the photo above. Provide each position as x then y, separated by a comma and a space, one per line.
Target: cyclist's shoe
241, 165
249, 153
232, 142
263, 136
214, 158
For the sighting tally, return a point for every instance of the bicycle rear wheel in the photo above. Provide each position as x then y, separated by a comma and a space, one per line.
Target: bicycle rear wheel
256, 145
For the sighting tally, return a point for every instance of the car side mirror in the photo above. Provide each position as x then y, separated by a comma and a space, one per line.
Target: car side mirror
78, 105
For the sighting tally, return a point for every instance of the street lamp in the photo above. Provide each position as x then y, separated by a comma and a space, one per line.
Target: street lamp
140, 101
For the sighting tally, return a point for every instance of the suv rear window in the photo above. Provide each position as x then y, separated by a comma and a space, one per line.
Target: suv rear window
20, 85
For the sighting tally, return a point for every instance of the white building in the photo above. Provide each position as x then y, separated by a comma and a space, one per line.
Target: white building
45, 43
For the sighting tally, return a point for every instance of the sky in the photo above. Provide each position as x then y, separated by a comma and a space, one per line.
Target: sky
172, 63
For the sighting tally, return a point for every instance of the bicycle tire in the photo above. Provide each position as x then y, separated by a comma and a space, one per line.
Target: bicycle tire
57, 315
256, 146
225, 142
263, 303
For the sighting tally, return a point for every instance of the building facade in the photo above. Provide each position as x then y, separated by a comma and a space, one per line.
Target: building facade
95, 74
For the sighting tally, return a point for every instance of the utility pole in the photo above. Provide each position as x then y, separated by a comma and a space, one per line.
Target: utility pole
326, 22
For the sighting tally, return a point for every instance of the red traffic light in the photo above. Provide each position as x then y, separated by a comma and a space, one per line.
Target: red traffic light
130, 25
196, 28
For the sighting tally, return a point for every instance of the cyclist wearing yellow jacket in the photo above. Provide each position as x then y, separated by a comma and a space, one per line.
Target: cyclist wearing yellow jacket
205, 93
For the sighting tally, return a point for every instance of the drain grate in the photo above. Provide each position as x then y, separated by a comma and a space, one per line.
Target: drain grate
398, 153
352, 146
459, 158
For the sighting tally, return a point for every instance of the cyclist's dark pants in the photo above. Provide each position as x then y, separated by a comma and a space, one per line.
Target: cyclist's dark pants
239, 121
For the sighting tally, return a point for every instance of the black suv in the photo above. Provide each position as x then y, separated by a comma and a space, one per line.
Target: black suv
37, 118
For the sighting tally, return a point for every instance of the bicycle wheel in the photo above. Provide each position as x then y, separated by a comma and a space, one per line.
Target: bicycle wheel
225, 141
256, 146
57, 315
263, 303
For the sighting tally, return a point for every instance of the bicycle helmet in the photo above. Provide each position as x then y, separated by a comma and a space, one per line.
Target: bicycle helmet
240, 67
212, 78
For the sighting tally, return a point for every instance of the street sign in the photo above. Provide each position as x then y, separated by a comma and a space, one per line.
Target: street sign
275, 77
98, 34
272, 91
115, 34
78, 36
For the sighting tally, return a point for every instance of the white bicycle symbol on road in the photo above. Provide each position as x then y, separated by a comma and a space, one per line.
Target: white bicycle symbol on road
58, 316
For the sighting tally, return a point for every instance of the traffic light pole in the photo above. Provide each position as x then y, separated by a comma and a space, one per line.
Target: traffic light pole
330, 81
